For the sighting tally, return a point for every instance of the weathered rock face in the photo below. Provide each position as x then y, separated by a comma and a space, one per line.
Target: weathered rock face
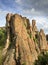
21, 47
8, 17
34, 28
26, 22
43, 42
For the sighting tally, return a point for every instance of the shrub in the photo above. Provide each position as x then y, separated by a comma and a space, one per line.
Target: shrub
25, 24
2, 43
35, 40
24, 63
30, 35
42, 59
2, 37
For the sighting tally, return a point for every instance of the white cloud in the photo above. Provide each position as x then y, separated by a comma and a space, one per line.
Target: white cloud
32, 12
33, 9
18, 1
2, 12
3, 17
42, 22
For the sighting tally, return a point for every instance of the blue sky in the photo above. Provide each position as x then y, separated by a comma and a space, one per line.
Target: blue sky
32, 9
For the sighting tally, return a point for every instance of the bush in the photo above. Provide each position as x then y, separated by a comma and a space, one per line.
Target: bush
42, 59
35, 40
24, 63
30, 35
2, 43
2, 37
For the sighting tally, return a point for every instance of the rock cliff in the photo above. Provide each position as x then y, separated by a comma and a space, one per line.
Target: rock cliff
24, 42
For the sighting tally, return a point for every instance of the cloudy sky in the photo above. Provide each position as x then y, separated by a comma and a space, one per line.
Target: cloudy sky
32, 9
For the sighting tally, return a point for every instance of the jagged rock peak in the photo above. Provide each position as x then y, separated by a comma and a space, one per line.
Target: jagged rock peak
8, 16
43, 41
34, 27
33, 22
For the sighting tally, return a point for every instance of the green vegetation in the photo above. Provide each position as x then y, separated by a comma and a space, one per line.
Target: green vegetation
30, 35
42, 59
25, 24
24, 63
2, 43
2, 38
35, 40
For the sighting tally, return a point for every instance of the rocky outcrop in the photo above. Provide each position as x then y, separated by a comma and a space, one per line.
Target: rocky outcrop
42, 41
34, 28
23, 42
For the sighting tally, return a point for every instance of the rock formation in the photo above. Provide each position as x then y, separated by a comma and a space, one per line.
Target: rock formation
42, 41
34, 28
23, 42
